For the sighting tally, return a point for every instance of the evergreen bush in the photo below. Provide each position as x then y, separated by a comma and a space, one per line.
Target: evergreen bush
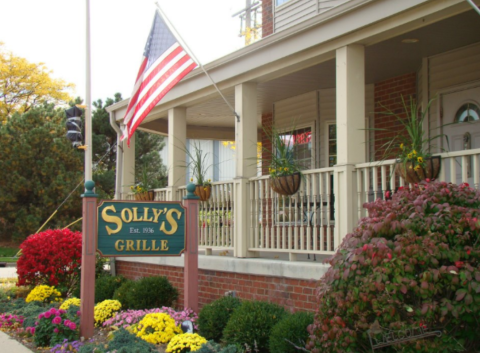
147, 293
213, 317
289, 332
105, 287
251, 323
122, 342
413, 263
124, 294
213, 347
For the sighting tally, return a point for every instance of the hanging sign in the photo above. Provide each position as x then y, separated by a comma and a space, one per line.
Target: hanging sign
136, 228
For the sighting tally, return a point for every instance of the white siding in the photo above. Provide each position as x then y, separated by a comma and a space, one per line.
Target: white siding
222, 160
296, 11
451, 69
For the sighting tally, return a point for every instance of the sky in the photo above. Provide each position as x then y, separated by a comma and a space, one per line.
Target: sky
53, 32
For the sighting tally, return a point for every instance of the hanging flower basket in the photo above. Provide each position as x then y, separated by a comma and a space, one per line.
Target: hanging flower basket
416, 173
286, 184
203, 192
145, 196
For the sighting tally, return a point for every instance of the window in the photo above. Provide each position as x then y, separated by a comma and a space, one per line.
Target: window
332, 145
280, 2
300, 142
467, 113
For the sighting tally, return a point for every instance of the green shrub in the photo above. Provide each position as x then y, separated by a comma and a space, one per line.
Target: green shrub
413, 262
213, 347
105, 287
290, 331
124, 294
146, 293
251, 323
122, 342
213, 317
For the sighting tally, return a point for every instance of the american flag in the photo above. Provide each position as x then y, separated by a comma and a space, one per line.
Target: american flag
164, 64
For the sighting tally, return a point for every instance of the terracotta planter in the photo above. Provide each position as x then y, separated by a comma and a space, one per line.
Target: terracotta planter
286, 185
203, 192
145, 196
430, 171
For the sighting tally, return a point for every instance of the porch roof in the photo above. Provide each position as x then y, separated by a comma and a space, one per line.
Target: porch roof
302, 58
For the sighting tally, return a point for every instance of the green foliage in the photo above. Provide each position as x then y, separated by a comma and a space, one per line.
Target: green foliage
289, 332
147, 148
38, 169
413, 262
104, 139
124, 294
146, 293
251, 323
8, 251
213, 347
122, 342
213, 317
105, 287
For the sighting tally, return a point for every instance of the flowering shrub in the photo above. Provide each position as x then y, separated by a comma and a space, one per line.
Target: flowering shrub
44, 294
8, 321
130, 317
186, 342
52, 258
105, 310
53, 327
157, 328
69, 302
413, 262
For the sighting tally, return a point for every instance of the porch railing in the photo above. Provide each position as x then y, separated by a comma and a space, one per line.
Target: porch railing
299, 224
216, 221
308, 222
377, 179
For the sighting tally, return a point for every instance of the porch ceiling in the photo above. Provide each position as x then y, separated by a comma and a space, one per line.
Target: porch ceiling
384, 59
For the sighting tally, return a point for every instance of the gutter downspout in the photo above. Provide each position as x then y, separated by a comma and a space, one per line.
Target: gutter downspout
475, 7
118, 174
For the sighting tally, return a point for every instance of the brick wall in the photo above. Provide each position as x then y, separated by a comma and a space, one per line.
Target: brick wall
267, 18
293, 294
388, 95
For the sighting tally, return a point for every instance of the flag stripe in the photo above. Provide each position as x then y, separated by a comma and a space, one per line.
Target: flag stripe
161, 90
172, 69
135, 93
164, 64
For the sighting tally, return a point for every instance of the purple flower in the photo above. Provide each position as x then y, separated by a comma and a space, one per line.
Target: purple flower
53, 311
41, 316
57, 320
47, 314
72, 326
55, 330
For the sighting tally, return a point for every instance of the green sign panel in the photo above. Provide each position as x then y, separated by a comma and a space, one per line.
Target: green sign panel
137, 228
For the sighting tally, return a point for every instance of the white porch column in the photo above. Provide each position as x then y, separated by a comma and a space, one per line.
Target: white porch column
177, 137
245, 154
350, 78
128, 170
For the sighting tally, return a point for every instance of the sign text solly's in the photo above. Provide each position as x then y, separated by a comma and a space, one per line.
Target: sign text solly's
141, 228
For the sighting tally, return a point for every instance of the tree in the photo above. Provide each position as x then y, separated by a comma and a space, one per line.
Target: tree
38, 170
24, 85
147, 148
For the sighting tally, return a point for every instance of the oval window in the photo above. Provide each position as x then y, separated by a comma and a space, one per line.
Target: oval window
468, 112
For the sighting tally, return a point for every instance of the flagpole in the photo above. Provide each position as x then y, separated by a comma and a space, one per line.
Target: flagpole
88, 103
189, 51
